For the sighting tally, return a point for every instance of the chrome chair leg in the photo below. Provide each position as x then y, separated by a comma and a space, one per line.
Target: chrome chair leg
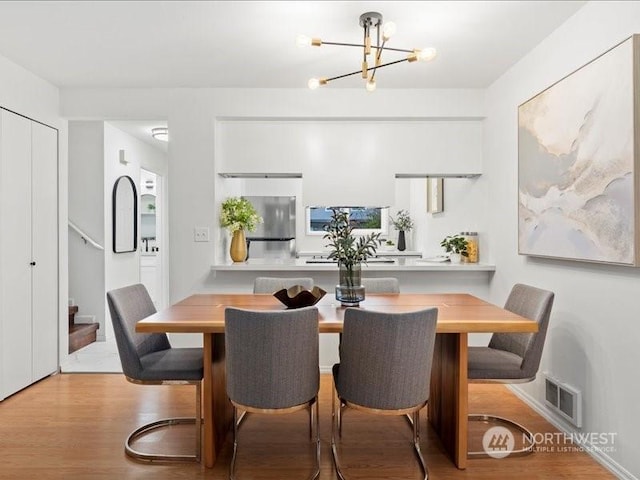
314, 423
527, 436
410, 419
415, 422
314, 414
236, 421
198, 421
335, 421
166, 422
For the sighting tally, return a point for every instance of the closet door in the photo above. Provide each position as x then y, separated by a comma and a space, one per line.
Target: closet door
44, 241
15, 252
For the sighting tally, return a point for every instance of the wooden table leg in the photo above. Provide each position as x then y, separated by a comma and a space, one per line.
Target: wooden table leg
448, 402
217, 413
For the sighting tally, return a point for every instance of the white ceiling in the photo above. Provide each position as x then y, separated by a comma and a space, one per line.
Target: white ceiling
252, 43
141, 129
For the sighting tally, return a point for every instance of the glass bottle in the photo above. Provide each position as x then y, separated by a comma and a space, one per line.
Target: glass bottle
473, 247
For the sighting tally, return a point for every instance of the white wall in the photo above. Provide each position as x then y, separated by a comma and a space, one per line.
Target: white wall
27, 94
86, 207
592, 342
192, 118
123, 269
357, 157
94, 167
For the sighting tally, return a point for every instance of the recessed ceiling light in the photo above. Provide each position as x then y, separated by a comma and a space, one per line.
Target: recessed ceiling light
160, 133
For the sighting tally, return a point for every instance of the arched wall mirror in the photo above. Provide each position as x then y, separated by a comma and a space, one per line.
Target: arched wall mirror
125, 215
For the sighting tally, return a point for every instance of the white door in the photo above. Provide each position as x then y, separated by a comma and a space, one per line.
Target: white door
44, 174
15, 252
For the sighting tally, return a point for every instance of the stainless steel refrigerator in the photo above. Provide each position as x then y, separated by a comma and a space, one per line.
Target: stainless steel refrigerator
276, 236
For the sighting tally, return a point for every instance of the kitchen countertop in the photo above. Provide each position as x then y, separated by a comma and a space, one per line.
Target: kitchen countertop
397, 265
380, 253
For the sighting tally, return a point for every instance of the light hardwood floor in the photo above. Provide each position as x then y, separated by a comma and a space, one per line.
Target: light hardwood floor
72, 426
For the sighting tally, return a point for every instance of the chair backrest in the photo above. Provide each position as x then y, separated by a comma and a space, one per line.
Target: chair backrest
535, 304
381, 285
272, 357
273, 284
385, 358
127, 305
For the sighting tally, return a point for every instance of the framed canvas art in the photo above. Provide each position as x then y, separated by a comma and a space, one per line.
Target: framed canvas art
578, 163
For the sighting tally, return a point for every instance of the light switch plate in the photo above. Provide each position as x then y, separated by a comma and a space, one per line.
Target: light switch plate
201, 234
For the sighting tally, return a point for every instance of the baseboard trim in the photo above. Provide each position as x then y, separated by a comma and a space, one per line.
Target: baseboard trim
602, 458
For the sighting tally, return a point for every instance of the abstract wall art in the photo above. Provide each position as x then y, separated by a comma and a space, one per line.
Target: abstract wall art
577, 163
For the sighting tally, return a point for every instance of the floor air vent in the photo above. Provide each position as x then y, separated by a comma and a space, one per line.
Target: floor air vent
566, 401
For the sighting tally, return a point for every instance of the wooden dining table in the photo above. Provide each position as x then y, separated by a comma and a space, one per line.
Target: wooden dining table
458, 315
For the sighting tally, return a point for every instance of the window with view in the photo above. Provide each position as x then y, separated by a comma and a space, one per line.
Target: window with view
364, 220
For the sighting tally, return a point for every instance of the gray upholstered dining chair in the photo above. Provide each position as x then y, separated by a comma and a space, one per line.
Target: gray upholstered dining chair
513, 357
272, 366
273, 284
385, 368
149, 359
381, 285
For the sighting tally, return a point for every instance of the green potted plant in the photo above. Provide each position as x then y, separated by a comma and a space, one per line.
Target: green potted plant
349, 253
388, 245
456, 246
402, 223
237, 215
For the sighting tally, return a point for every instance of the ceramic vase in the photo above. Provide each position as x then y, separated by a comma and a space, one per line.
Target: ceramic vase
402, 245
238, 248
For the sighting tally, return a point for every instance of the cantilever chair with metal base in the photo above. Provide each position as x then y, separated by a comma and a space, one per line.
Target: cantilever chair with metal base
513, 357
384, 369
149, 359
272, 367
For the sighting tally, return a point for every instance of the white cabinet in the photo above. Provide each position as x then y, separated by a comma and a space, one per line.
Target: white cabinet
28, 252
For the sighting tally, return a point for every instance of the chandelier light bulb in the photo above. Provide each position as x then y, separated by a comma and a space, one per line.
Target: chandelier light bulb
388, 30
374, 30
303, 41
427, 54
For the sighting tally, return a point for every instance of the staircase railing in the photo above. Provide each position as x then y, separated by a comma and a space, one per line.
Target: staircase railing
86, 238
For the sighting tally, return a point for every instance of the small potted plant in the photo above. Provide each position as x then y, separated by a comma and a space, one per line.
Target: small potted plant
238, 215
456, 246
388, 245
402, 223
350, 254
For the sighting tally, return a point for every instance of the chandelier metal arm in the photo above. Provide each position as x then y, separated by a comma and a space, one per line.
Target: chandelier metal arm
372, 50
404, 50
368, 69
378, 56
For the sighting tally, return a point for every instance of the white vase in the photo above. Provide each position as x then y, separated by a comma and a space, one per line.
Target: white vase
455, 258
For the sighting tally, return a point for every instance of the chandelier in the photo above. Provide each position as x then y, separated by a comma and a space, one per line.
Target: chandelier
372, 54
